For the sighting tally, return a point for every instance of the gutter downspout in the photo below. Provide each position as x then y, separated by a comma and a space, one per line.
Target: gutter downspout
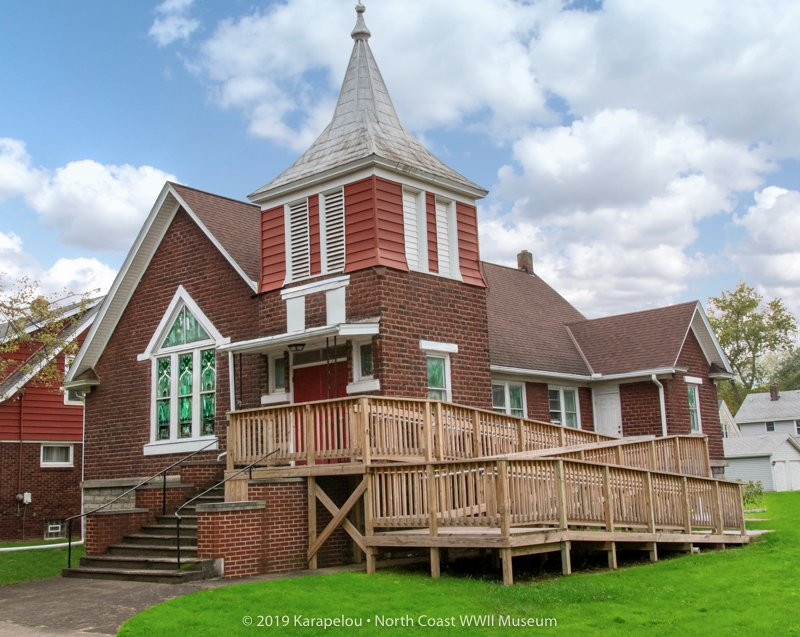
661, 405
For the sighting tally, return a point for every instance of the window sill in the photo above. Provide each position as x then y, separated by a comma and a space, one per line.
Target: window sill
276, 398
163, 447
57, 465
365, 385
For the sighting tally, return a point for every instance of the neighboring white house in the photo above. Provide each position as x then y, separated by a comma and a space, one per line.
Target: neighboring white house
729, 427
770, 412
772, 460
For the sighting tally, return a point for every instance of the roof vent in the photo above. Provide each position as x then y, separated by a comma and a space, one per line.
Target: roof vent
525, 261
773, 392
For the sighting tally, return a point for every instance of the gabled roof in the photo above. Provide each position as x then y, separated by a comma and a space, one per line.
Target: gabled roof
759, 407
751, 446
532, 328
17, 379
526, 323
651, 339
233, 227
365, 126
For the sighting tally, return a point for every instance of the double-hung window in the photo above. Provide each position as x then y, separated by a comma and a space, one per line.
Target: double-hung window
508, 398
695, 424
563, 403
438, 376
770, 427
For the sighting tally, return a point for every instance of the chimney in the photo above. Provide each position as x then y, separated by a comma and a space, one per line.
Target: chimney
773, 392
525, 262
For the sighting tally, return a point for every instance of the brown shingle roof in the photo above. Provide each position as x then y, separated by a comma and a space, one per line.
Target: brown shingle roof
650, 339
235, 224
526, 323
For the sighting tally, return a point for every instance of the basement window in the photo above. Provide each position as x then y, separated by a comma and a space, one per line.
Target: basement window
55, 529
56, 456
770, 427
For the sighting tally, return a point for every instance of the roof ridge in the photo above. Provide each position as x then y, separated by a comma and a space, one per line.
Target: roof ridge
175, 184
652, 309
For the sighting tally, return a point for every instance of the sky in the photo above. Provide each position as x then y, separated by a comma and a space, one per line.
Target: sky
645, 152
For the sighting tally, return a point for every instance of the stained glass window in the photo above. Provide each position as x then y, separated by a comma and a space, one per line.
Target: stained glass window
185, 382
208, 381
163, 391
184, 330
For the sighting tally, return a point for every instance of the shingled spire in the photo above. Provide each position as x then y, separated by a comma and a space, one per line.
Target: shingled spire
365, 130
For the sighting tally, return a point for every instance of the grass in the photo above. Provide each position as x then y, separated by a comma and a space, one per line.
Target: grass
39, 542
738, 591
23, 566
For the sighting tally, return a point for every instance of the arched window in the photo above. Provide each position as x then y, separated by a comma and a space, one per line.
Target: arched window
184, 377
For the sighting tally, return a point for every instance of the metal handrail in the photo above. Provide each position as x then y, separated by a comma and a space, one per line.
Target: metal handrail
122, 495
211, 488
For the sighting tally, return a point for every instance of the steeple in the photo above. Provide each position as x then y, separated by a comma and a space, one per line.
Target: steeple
365, 130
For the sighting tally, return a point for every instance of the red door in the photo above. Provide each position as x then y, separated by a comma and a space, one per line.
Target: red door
317, 383
322, 382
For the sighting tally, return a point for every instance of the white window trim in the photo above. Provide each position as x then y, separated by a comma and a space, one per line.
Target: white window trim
696, 388
561, 389
68, 360
435, 346
360, 382
174, 444
56, 465
694, 380
507, 385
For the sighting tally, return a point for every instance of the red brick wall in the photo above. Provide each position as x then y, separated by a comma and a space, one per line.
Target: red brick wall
538, 403
236, 536
55, 492
118, 410
640, 409
286, 525
585, 405
105, 529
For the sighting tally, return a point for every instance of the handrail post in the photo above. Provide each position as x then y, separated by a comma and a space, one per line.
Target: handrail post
716, 503
366, 452
608, 508
677, 451
707, 458
232, 441
311, 439
520, 435
178, 539
561, 491
433, 501
653, 456
687, 507
164, 494
428, 428
439, 431
503, 498
740, 509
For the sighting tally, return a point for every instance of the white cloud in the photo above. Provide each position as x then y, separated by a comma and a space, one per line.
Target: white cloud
92, 205
616, 199
770, 251
731, 65
440, 60
173, 22
76, 275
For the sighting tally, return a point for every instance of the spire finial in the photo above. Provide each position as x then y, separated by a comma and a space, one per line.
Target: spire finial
360, 31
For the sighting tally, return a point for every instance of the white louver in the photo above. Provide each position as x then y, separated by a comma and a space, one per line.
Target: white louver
299, 253
411, 227
443, 236
333, 239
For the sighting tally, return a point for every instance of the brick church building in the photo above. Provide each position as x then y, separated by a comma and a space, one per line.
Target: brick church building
357, 271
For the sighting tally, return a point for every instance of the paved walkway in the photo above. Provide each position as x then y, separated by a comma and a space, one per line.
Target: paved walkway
72, 606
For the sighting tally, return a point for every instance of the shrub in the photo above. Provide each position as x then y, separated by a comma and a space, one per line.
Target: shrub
752, 494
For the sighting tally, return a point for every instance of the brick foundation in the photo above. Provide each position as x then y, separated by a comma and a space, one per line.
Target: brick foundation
234, 532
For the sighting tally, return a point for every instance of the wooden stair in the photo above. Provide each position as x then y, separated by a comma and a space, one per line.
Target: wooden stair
151, 554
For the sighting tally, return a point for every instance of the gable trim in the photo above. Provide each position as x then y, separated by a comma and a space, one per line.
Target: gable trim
699, 311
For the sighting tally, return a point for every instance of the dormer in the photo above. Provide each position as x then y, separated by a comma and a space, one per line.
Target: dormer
366, 193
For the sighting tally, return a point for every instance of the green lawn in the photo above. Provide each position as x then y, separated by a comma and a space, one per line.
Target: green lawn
739, 591
21, 566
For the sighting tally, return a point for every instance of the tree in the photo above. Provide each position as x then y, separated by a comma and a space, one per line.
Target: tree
787, 375
748, 328
32, 329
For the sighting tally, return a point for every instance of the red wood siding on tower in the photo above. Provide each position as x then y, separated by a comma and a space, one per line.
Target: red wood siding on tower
273, 249
361, 244
314, 234
468, 251
389, 216
433, 247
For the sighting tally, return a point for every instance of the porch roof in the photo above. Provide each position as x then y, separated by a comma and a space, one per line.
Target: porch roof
309, 337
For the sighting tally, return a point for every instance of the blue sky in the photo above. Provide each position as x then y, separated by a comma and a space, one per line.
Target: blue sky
646, 153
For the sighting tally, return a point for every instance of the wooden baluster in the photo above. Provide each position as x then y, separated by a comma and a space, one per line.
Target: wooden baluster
364, 411
476, 435
311, 439
687, 507
677, 451
651, 511
440, 435
707, 458
653, 456
716, 504
503, 499
608, 504
369, 528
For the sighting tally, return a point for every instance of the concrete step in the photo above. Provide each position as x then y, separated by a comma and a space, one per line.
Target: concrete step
126, 562
189, 519
166, 539
163, 576
152, 550
187, 530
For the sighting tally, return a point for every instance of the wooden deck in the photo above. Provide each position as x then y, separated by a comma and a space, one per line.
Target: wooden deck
433, 475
